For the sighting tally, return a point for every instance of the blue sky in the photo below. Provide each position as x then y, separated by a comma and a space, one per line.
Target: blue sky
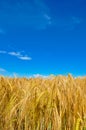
42, 37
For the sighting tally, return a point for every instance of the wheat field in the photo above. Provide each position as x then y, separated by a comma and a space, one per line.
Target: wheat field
54, 103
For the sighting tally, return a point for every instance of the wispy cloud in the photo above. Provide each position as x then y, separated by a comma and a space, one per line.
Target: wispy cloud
18, 55
67, 22
76, 20
1, 31
3, 52
34, 14
2, 70
25, 14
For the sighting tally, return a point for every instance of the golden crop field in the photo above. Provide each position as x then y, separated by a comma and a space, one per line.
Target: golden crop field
54, 103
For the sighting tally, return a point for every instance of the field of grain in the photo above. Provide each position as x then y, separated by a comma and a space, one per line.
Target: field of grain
54, 103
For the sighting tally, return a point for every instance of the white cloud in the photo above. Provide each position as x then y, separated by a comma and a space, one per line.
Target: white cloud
24, 57
51, 76
18, 55
40, 75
